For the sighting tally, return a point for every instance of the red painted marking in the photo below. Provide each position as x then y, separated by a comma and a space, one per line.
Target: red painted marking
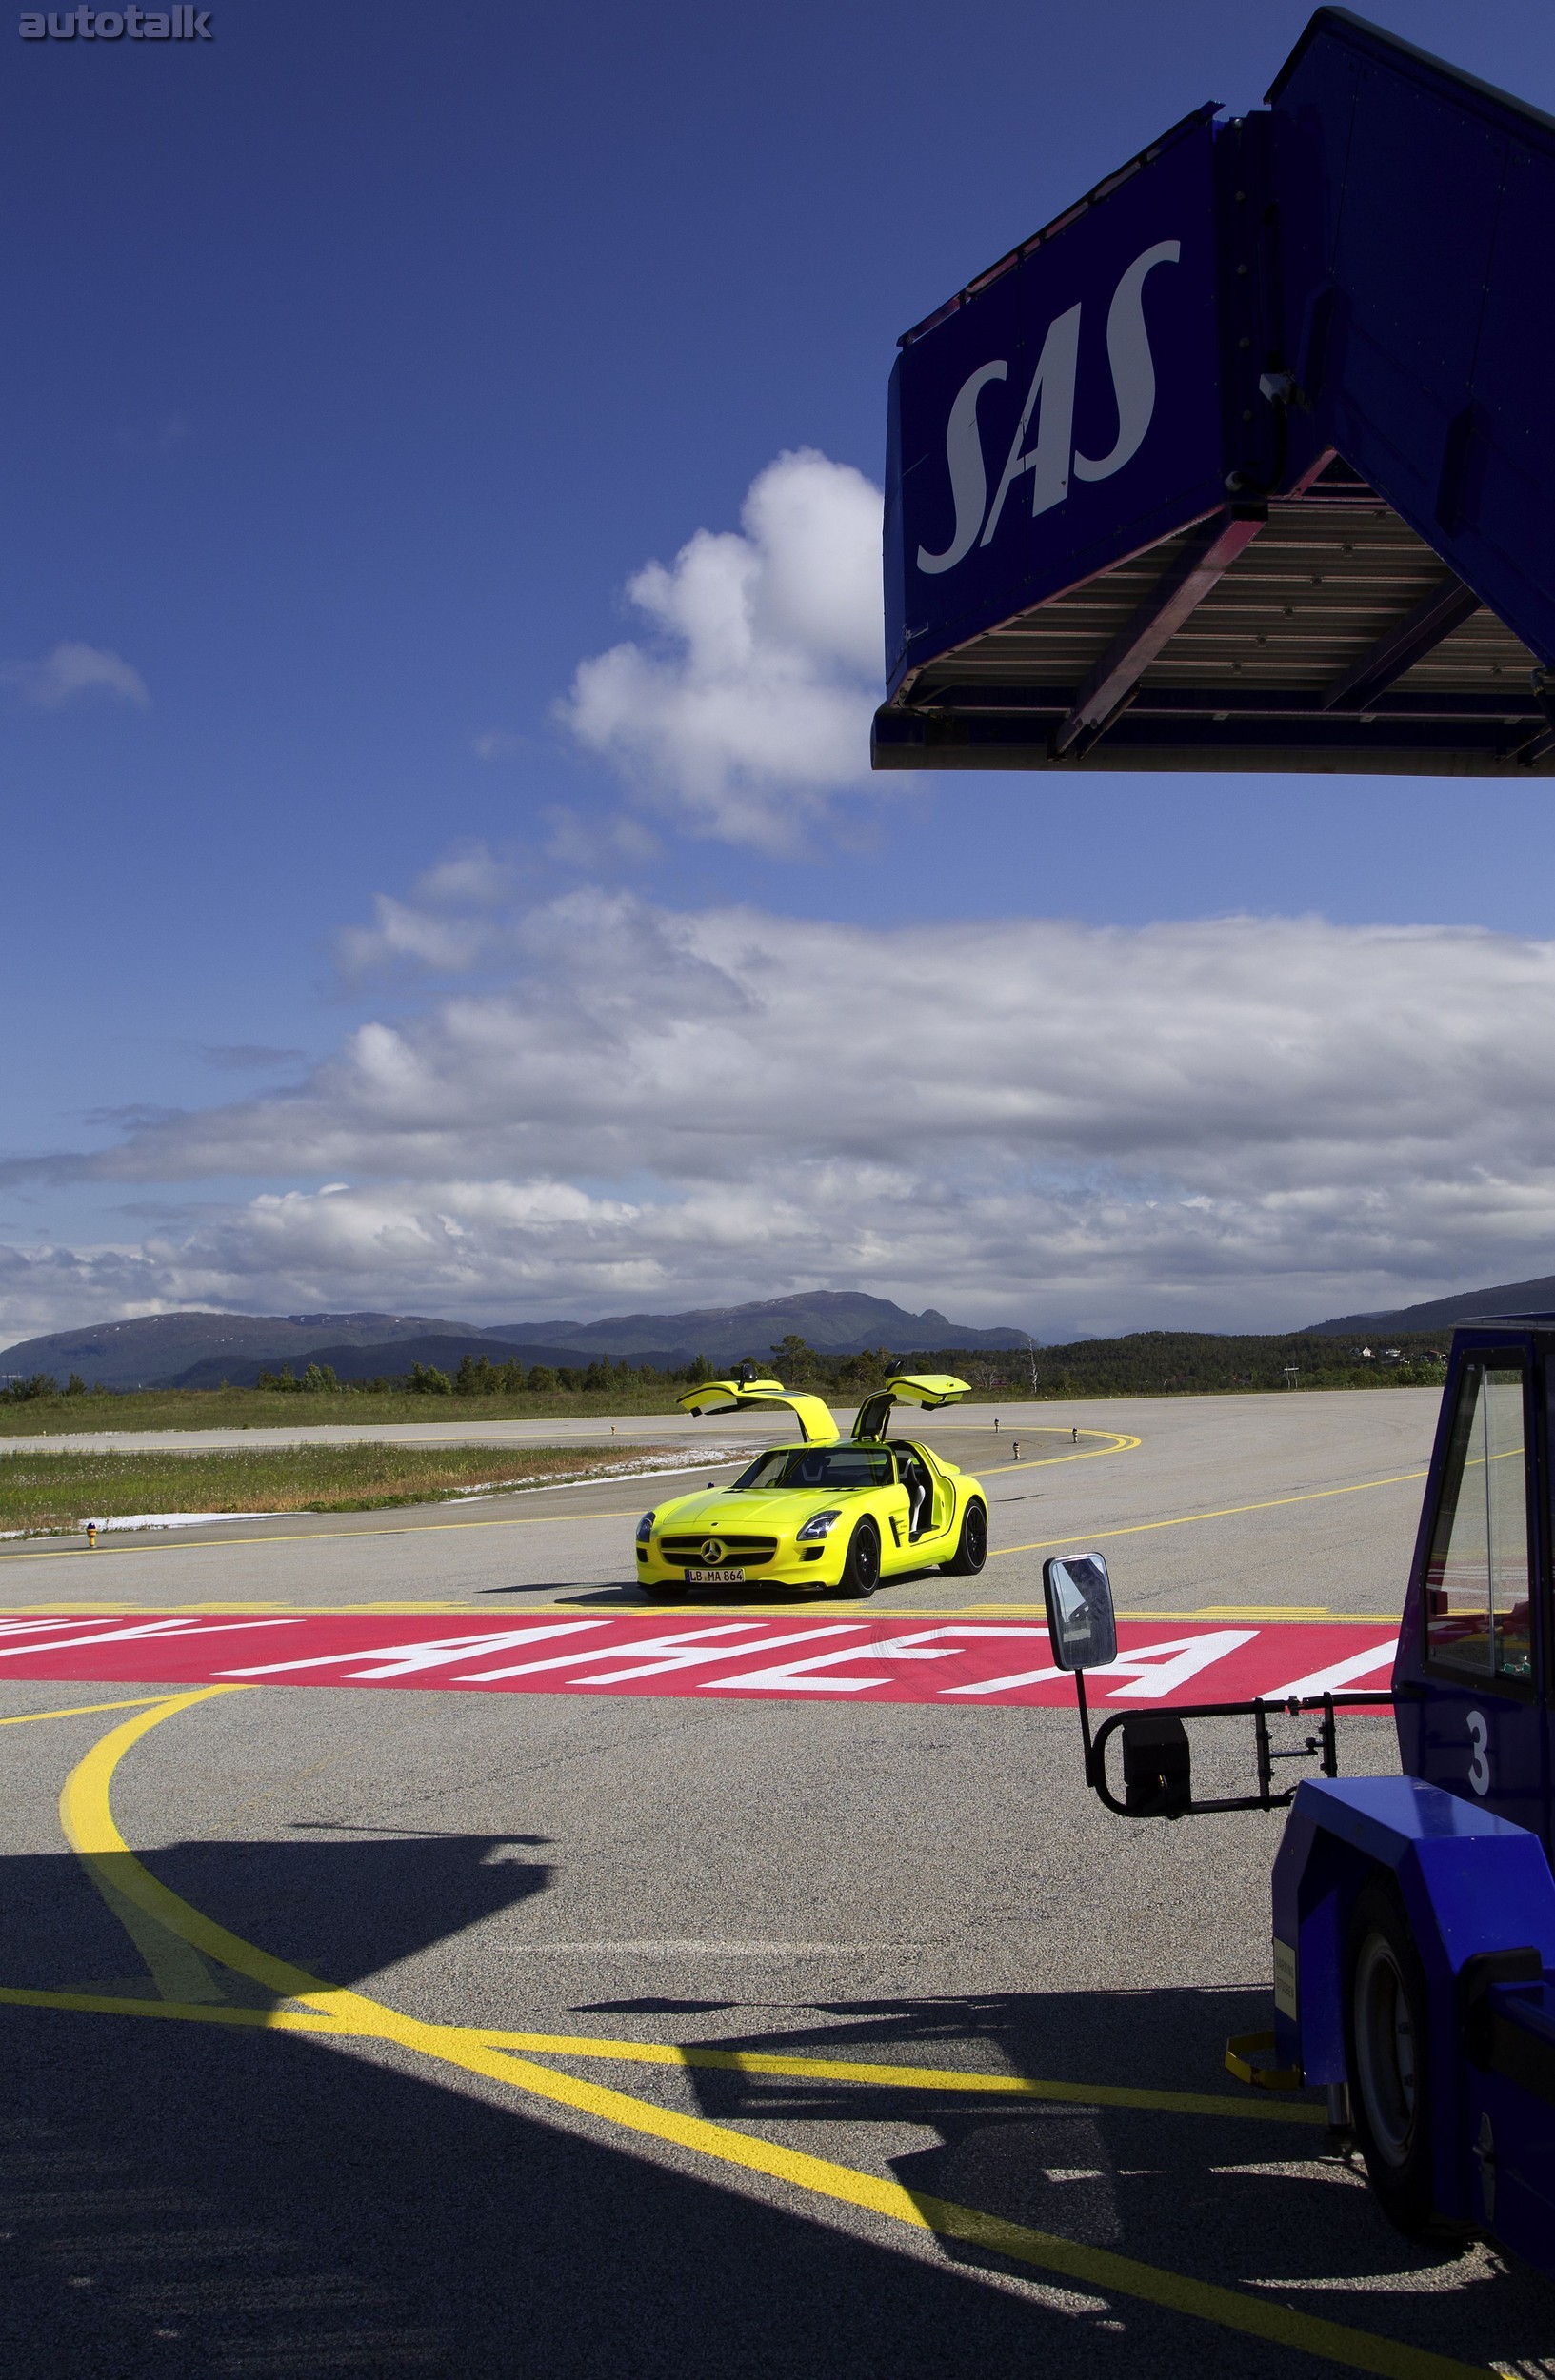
976, 1662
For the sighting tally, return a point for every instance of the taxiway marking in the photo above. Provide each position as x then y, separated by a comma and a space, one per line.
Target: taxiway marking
87, 1816
877, 1660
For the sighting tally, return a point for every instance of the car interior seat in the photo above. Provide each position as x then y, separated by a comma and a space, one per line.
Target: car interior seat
916, 1484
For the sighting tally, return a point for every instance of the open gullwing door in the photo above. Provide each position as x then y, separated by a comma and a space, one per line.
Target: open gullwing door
928, 1389
816, 1426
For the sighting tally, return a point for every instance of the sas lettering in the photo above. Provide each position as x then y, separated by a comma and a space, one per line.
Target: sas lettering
1050, 401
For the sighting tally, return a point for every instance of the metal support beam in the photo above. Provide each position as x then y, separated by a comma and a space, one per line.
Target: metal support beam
1433, 617
1181, 589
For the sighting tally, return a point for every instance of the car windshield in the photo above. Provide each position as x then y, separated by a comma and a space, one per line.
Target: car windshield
819, 1467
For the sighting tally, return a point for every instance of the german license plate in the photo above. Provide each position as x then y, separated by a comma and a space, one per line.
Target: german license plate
724, 1574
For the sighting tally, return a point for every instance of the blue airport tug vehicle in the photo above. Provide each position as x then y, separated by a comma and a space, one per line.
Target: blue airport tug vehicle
1413, 1916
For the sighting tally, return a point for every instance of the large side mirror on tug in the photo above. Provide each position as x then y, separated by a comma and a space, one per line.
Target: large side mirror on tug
1157, 1755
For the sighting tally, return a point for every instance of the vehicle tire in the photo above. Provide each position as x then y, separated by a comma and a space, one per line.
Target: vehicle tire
861, 1571
1387, 2047
662, 1590
972, 1551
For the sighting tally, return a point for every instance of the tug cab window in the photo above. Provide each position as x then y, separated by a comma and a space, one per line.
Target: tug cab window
1479, 1570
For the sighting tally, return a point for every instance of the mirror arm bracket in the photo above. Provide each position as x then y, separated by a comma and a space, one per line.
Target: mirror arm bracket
1322, 1746
1095, 1774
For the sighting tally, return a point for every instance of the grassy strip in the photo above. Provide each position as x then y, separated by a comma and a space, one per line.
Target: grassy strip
252, 1409
50, 1492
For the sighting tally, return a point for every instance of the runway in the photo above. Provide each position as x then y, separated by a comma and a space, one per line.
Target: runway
448, 2029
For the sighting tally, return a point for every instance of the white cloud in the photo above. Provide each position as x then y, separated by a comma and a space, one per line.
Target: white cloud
445, 928
73, 670
401, 935
750, 707
1232, 1123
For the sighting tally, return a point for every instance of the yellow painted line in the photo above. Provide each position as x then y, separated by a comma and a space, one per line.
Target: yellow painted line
686, 2054
177, 1544
185, 2012
1276, 1613
822, 1606
1224, 1512
79, 1709
88, 1819
1122, 1444
256, 1603
887, 2075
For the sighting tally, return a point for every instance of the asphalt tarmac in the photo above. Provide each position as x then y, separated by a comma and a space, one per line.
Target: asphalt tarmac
354, 2030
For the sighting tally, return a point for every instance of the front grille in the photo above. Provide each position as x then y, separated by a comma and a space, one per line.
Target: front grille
739, 1552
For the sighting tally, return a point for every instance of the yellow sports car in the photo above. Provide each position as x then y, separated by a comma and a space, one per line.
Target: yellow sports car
825, 1514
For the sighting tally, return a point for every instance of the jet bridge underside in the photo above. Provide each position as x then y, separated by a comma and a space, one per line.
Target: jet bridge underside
1281, 492
1321, 635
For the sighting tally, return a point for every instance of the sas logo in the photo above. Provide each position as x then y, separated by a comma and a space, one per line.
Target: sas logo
1050, 398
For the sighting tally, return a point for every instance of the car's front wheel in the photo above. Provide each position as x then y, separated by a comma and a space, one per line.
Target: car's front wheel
861, 1571
972, 1550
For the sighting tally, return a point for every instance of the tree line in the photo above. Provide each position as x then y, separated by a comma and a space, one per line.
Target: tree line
1144, 1363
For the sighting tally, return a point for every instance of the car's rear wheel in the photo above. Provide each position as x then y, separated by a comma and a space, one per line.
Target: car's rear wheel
972, 1550
1387, 2042
861, 1571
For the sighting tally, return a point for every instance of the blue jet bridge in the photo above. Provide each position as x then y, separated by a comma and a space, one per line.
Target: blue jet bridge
1245, 462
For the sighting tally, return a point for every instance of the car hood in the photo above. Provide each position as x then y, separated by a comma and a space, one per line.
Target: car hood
715, 1512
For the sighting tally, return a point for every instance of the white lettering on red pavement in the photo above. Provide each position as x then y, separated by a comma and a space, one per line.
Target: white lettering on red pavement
1155, 1672
1375, 1664
874, 1659
399, 1661
120, 1635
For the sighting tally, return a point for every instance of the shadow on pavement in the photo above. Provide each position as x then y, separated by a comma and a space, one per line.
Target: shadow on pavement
1232, 2200
184, 2204
188, 2201
345, 1911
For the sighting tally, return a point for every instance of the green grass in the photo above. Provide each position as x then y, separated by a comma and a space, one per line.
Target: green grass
44, 1493
255, 1409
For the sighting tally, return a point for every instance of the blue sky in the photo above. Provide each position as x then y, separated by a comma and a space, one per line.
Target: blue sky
356, 362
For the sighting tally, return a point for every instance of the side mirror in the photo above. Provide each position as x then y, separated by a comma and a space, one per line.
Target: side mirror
1081, 1623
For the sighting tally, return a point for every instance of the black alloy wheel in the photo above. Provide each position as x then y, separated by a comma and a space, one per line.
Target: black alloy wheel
972, 1551
861, 1571
1387, 2051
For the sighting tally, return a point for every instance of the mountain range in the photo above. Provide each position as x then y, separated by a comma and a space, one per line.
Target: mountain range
1438, 1314
200, 1349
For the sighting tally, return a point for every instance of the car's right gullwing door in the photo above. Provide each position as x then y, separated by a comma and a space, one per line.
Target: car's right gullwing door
927, 1389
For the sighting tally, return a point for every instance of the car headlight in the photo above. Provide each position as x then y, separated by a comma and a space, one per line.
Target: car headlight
645, 1528
818, 1525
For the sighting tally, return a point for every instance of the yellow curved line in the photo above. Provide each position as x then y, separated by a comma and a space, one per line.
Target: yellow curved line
88, 1819
1225, 1512
1122, 1444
